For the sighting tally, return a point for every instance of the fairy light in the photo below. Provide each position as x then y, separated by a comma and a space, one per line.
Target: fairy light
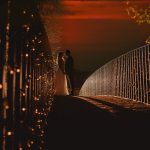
23, 109
36, 111
27, 55
32, 129
125, 88
5, 77
11, 72
26, 27
29, 75
39, 41
27, 86
32, 16
33, 49
1, 86
36, 99
24, 12
39, 121
139, 13
18, 70
20, 148
29, 145
9, 133
23, 94
6, 107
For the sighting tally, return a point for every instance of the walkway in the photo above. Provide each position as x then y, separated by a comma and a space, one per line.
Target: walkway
93, 123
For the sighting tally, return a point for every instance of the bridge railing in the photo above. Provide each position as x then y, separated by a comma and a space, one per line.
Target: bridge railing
26, 76
127, 76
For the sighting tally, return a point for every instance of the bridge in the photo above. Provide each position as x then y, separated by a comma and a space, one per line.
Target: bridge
97, 123
127, 76
113, 102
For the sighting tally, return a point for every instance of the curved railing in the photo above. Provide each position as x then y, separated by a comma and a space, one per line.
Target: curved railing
127, 76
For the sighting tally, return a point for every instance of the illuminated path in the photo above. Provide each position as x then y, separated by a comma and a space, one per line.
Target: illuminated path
80, 123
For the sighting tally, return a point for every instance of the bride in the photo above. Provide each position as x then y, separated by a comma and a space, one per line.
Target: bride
61, 79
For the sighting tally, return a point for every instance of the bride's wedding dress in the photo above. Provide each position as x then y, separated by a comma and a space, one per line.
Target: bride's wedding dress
61, 80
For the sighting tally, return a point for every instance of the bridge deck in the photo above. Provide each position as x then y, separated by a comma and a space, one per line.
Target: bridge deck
80, 123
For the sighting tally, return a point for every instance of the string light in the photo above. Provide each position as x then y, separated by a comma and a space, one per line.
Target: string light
23, 94
39, 42
30, 76
27, 55
36, 99
26, 27
18, 70
24, 12
119, 77
6, 107
33, 49
36, 111
32, 16
11, 72
140, 13
9, 133
23, 109
27, 84
28, 144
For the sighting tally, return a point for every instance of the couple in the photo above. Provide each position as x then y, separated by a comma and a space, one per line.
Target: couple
64, 76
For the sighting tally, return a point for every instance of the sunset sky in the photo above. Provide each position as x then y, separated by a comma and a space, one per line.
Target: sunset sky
95, 31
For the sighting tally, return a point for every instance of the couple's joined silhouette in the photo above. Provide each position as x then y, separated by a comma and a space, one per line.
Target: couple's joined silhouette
64, 84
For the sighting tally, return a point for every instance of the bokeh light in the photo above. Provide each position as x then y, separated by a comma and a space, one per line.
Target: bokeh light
139, 11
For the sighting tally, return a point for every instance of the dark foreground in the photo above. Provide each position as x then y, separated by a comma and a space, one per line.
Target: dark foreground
75, 124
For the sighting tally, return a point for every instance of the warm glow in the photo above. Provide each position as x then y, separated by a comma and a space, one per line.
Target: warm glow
27, 55
18, 70
24, 109
9, 133
91, 29
11, 72
23, 94
103, 10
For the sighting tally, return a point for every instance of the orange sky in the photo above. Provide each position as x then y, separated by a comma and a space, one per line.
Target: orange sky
95, 32
103, 10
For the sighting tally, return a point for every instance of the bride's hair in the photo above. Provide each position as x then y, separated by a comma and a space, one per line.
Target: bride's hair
60, 55
61, 61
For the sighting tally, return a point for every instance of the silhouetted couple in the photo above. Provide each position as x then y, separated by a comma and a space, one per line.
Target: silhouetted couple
64, 84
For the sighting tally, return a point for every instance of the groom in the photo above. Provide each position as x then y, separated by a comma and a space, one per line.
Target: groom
69, 69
